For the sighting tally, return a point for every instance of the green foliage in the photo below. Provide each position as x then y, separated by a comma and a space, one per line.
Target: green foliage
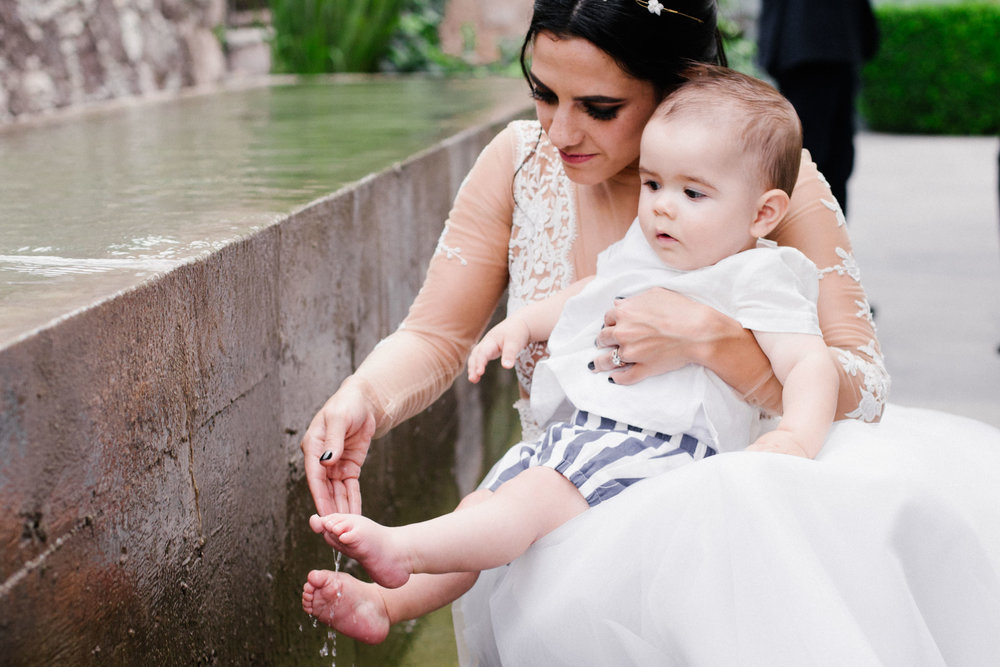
740, 51
937, 70
316, 36
416, 46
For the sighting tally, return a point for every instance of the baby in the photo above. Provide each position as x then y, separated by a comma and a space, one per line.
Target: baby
718, 162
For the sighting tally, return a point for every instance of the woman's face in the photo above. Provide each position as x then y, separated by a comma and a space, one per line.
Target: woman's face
592, 111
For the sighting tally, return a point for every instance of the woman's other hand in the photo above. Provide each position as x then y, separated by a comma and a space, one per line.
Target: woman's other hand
334, 448
655, 331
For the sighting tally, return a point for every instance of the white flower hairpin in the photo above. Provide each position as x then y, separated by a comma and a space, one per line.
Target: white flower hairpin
655, 7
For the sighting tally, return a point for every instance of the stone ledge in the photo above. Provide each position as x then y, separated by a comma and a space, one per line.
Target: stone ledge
153, 506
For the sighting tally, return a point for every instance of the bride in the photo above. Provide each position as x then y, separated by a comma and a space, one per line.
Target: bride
883, 550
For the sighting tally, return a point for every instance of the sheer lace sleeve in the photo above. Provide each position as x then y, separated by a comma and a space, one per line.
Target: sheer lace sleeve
815, 225
467, 275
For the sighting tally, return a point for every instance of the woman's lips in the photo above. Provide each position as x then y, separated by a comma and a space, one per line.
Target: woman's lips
575, 158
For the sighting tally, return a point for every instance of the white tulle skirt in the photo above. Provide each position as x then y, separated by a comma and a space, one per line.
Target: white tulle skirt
883, 551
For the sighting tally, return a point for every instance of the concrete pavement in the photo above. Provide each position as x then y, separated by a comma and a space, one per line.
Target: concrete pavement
925, 225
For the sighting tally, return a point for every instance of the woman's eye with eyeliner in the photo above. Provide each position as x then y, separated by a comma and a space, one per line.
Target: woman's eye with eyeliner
602, 113
543, 96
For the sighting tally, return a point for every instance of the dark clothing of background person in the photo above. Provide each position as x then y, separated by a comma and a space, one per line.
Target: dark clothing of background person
815, 49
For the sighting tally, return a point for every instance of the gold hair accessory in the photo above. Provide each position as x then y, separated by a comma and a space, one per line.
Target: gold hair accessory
655, 7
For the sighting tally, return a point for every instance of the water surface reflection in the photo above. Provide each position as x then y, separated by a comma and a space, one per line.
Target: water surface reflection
94, 203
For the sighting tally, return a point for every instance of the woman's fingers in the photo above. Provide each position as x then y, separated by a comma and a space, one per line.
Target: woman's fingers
334, 449
314, 447
606, 336
353, 496
629, 374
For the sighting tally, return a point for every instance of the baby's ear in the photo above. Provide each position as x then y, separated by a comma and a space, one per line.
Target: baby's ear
771, 208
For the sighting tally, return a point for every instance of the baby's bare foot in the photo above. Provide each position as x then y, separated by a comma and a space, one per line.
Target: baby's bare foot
371, 545
347, 605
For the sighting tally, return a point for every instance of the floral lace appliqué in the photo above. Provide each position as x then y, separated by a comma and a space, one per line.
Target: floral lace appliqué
849, 266
876, 380
543, 232
869, 363
450, 253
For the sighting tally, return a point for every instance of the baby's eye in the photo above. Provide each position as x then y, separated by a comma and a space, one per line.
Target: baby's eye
651, 185
693, 194
602, 112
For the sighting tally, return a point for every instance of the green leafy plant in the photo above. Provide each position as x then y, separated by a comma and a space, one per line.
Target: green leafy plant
316, 36
416, 46
740, 51
936, 71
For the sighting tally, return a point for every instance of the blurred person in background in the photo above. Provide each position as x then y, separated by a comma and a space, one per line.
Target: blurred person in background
814, 50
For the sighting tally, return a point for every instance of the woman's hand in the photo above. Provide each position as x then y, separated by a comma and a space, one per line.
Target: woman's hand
655, 331
335, 447
659, 331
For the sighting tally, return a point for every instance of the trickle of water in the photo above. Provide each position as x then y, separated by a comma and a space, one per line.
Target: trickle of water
331, 635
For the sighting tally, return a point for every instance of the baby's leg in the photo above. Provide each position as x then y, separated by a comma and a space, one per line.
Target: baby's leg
367, 611
487, 535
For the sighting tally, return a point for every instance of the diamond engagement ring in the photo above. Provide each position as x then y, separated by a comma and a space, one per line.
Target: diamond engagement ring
616, 358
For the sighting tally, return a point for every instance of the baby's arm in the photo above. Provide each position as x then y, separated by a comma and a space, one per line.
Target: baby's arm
532, 323
809, 397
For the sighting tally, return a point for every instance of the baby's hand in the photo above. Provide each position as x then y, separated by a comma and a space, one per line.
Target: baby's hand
504, 340
778, 442
485, 351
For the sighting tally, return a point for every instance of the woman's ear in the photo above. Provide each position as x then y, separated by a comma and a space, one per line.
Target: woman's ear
771, 208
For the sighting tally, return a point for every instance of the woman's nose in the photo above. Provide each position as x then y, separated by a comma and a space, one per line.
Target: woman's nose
564, 131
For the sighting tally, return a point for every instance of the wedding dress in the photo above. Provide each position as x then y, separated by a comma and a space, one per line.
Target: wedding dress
885, 550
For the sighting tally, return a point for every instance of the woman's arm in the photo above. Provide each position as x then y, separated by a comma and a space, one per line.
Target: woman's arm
816, 226
409, 369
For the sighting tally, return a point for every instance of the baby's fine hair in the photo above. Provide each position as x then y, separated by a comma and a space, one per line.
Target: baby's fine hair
765, 123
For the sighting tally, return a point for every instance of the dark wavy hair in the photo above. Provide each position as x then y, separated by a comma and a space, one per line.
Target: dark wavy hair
647, 46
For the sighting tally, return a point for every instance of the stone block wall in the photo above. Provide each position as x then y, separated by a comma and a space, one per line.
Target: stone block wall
152, 502
59, 53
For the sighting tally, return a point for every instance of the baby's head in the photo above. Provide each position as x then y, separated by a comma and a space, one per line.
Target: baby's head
718, 162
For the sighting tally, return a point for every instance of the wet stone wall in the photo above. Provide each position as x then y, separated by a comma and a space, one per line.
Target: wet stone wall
58, 53
152, 502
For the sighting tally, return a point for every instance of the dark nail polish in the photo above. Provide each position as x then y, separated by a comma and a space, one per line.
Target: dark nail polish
591, 366
611, 380
619, 298
327, 455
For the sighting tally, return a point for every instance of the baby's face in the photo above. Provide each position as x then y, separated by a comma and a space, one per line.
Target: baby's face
697, 202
